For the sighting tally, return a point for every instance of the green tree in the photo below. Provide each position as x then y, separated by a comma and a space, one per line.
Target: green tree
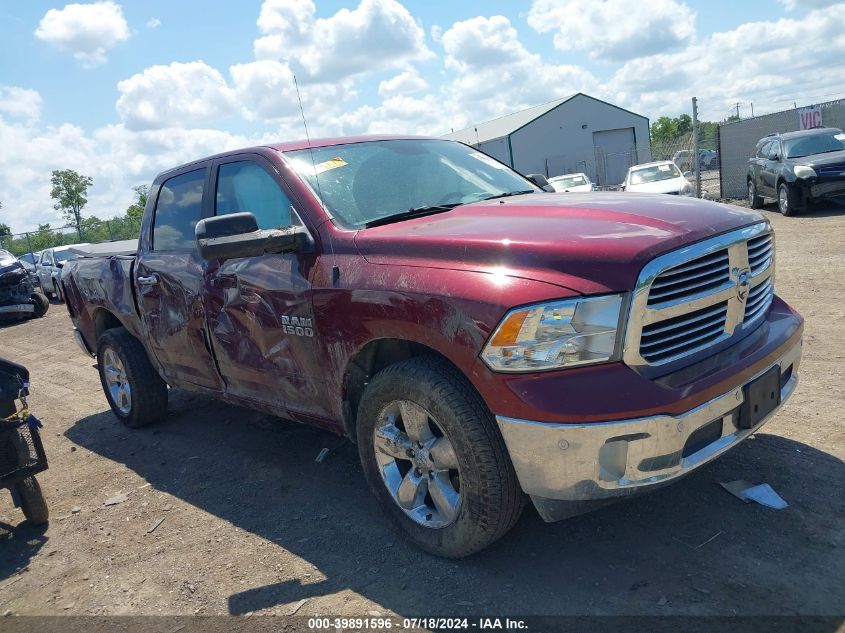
5, 230
135, 211
70, 191
664, 130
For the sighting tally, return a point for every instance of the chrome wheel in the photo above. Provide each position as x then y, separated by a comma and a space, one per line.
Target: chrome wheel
117, 382
783, 200
418, 464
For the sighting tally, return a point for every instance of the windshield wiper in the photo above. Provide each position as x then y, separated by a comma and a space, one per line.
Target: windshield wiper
416, 212
508, 194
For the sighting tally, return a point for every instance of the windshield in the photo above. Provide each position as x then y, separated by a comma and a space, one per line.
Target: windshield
362, 182
570, 181
815, 144
63, 256
654, 173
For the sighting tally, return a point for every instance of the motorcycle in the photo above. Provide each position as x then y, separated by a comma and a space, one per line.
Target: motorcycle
21, 451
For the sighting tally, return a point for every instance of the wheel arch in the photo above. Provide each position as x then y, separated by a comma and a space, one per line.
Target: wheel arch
370, 359
104, 320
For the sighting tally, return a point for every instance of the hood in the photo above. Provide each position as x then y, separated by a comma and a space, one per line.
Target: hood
11, 271
821, 160
673, 185
589, 243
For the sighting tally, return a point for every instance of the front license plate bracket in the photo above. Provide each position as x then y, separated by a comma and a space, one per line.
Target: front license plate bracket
762, 396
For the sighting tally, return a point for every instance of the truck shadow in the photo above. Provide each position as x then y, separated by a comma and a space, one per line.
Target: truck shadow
690, 548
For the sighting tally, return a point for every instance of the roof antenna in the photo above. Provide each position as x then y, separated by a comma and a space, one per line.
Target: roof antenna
335, 269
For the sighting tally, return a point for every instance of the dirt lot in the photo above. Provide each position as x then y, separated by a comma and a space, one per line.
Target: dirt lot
247, 521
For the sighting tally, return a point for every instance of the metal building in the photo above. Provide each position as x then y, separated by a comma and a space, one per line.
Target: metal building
574, 134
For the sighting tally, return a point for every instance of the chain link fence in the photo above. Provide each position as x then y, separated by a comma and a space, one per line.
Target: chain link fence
91, 231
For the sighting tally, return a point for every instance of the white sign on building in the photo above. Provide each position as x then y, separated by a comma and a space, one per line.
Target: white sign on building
809, 118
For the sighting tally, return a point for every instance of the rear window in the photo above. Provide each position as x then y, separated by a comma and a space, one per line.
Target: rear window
178, 210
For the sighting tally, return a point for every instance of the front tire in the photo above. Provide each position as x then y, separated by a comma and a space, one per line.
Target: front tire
41, 303
435, 460
754, 201
788, 200
33, 504
135, 392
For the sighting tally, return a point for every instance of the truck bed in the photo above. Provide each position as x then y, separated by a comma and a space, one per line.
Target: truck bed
101, 286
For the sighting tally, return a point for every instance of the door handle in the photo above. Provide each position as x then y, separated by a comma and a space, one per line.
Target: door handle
224, 281
149, 280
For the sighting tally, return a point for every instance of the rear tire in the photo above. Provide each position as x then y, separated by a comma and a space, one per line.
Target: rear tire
484, 497
135, 392
754, 201
41, 303
33, 504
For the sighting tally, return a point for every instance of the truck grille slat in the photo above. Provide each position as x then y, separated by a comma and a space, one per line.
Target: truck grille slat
691, 279
716, 321
742, 259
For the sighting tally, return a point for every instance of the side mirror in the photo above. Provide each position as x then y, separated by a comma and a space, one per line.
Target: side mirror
540, 181
774, 156
687, 174
237, 235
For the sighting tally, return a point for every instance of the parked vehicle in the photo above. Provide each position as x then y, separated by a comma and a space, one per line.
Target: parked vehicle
49, 268
19, 297
659, 177
796, 168
707, 159
572, 182
21, 451
478, 339
29, 260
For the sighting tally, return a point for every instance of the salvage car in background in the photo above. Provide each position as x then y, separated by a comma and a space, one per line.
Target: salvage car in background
659, 177
19, 297
478, 338
796, 168
571, 182
49, 268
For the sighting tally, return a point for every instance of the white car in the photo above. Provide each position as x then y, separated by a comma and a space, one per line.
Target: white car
49, 268
571, 182
660, 177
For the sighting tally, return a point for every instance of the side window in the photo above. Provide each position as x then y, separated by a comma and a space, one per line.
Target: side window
763, 152
246, 186
178, 210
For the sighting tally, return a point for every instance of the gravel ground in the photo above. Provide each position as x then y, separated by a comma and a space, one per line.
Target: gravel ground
227, 511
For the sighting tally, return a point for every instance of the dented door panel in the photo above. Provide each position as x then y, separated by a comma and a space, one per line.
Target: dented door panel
262, 329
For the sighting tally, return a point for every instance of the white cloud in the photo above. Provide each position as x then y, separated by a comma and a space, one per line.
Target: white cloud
757, 62
495, 74
153, 23
377, 35
614, 29
790, 5
20, 103
85, 30
176, 95
405, 83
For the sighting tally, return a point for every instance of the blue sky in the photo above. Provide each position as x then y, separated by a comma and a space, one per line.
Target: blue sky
121, 90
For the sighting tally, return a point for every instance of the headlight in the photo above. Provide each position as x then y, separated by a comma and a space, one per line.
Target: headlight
804, 171
555, 335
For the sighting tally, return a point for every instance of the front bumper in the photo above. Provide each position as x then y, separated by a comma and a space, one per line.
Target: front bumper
571, 468
18, 308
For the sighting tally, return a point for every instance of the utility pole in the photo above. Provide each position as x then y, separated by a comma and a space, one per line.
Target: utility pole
696, 159
737, 110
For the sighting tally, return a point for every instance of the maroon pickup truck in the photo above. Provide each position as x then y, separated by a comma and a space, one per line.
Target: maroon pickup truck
480, 339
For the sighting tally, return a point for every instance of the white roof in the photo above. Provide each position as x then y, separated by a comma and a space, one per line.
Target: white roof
504, 125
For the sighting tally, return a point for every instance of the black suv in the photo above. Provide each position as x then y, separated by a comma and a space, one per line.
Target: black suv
798, 167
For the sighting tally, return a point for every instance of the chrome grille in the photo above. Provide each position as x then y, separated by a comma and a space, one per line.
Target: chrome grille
687, 280
700, 295
673, 336
759, 300
759, 253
